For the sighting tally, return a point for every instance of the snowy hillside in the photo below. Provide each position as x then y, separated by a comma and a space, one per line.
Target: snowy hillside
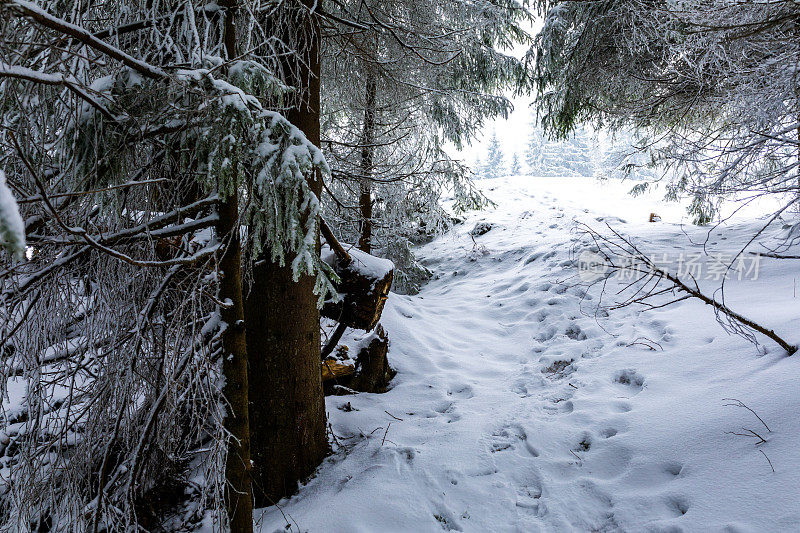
516, 407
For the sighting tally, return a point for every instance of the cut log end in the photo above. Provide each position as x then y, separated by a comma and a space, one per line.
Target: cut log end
363, 289
371, 372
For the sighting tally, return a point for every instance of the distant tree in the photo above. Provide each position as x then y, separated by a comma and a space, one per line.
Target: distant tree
493, 167
401, 80
478, 167
623, 157
560, 157
533, 154
515, 166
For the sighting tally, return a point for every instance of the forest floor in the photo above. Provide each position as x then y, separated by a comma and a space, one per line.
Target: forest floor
518, 407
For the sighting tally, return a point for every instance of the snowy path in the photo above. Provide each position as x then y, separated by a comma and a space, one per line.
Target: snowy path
520, 411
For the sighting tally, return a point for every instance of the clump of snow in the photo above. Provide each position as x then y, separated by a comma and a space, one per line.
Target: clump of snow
481, 228
369, 266
12, 227
517, 408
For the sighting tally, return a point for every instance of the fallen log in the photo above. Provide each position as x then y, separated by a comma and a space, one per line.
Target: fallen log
363, 287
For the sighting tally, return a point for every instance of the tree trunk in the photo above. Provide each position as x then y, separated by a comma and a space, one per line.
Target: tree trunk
238, 488
238, 494
367, 151
287, 409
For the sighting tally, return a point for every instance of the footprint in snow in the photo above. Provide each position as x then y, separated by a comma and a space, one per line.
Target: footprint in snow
672, 468
447, 410
547, 334
622, 407
461, 391
630, 378
529, 499
446, 519
677, 505
608, 433
559, 406
575, 333
559, 368
520, 388
509, 437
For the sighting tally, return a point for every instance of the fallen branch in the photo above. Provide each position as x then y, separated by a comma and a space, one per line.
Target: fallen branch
775, 256
334, 340
649, 273
334, 243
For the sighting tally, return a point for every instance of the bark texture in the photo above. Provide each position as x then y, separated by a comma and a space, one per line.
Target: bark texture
287, 406
238, 489
238, 494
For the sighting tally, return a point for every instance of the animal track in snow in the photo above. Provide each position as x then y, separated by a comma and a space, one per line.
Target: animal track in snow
673, 468
508, 437
559, 368
608, 433
461, 391
559, 406
630, 378
446, 409
622, 407
678, 505
529, 499
575, 333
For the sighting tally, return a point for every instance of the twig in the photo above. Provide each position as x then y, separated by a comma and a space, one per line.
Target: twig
749, 433
739, 403
385, 433
767, 458
775, 256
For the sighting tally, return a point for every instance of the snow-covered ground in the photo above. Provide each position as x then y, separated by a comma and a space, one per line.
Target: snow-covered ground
518, 408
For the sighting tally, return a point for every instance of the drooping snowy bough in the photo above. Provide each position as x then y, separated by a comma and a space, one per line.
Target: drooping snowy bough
111, 330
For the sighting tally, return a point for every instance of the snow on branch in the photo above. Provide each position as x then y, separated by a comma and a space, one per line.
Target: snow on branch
12, 227
43, 18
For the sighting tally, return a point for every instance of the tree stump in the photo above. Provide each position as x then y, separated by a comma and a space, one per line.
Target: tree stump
371, 372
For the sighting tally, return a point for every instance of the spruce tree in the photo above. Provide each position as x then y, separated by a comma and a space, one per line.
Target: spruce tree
494, 167
287, 406
533, 155
385, 135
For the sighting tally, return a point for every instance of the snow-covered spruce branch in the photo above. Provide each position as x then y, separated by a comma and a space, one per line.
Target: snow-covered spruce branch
70, 82
42, 17
710, 85
651, 281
